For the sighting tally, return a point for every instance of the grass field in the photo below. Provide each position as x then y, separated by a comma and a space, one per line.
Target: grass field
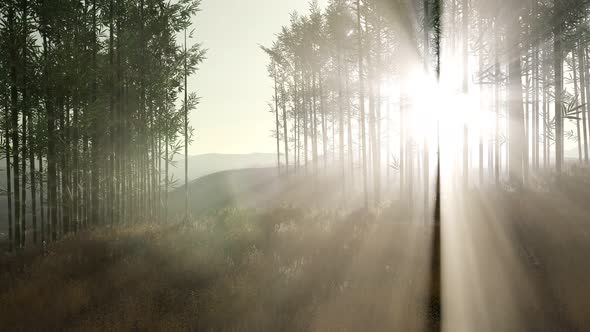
511, 262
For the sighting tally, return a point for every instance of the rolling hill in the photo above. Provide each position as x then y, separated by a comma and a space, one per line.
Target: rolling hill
199, 166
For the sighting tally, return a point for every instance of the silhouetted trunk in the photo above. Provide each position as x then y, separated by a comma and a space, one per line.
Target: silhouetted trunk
526, 132
33, 180
425, 148
95, 152
111, 164
44, 229
51, 165
584, 53
25, 111
63, 165
14, 127
186, 142
8, 178
117, 128
166, 173
75, 169
546, 121
86, 181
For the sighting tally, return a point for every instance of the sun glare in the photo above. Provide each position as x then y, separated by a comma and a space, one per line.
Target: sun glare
437, 114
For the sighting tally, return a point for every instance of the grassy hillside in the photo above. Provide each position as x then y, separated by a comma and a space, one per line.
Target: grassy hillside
199, 166
263, 188
240, 270
511, 263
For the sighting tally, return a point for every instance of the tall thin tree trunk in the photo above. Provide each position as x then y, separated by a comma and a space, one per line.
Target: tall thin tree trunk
76, 170
388, 143
546, 127
51, 166
33, 181
515, 114
304, 106
95, 153
285, 127
584, 54
402, 158
166, 177
526, 121
465, 62
576, 96
498, 161
482, 108
25, 111
44, 229
374, 148
426, 150
558, 70
186, 142
110, 208
536, 108
349, 127
278, 133
363, 142
341, 122
323, 120
8, 179
296, 120
14, 128
583, 87
314, 123
64, 163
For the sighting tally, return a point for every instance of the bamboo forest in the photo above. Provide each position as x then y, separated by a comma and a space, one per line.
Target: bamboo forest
294, 165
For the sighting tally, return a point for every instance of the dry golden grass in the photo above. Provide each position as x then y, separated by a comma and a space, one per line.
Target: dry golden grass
301, 270
239, 270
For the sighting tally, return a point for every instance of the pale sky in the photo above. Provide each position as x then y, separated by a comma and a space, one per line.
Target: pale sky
233, 116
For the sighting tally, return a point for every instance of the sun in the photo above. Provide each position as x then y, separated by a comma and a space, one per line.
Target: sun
437, 115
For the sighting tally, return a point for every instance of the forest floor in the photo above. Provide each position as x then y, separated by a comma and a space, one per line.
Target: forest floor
511, 262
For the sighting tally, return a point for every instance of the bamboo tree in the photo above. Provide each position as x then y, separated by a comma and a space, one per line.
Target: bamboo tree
25, 111
11, 242
362, 103
13, 60
583, 100
465, 83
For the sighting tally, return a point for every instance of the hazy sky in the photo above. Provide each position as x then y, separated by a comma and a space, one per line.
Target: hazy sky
233, 82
